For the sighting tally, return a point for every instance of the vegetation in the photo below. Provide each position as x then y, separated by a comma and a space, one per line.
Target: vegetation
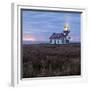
45, 60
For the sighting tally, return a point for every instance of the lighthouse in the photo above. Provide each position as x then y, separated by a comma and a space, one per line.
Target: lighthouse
61, 38
66, 32
66, 29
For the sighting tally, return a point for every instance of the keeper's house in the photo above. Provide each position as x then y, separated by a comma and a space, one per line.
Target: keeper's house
61, 38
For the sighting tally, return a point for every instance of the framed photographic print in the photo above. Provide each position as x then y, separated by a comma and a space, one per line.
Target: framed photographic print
46, 42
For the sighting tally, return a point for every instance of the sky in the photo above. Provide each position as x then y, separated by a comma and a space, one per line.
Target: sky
40, 25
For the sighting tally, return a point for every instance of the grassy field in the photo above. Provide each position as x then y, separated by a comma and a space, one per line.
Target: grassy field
45, 60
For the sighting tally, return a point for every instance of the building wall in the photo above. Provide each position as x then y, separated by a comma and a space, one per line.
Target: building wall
57, 42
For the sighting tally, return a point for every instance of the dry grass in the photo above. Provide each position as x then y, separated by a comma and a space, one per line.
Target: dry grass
51, 60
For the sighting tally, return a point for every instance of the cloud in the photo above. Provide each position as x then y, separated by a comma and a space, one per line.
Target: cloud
42, 24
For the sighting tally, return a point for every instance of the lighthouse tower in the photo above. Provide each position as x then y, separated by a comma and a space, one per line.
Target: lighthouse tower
66, 29
66, 33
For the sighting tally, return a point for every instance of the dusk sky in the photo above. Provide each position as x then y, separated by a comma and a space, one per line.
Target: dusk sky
39, 25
